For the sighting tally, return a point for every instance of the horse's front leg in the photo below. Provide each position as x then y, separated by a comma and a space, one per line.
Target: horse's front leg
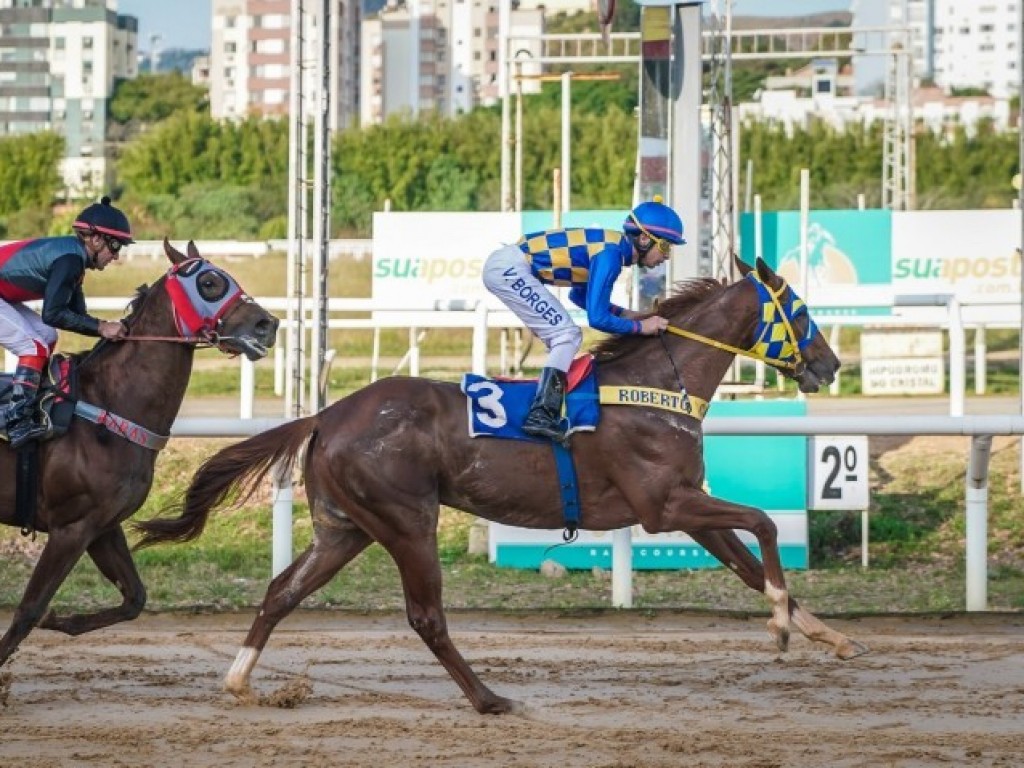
694, 512
62, 550
113, 558
733, 553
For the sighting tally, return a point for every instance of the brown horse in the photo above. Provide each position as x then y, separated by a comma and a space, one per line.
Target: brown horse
95, 477
380, 462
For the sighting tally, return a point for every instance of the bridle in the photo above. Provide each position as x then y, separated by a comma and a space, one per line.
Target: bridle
198, 318
775, 341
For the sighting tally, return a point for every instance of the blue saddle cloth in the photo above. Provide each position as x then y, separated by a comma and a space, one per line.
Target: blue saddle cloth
498, 407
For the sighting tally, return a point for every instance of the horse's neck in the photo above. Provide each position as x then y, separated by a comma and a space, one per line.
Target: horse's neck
673, 361
143, 381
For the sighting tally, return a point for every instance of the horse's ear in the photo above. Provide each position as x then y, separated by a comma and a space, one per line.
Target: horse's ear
193, 252
173, 253
764, 271
742, 266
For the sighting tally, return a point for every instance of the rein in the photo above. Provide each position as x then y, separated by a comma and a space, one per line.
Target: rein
793, 362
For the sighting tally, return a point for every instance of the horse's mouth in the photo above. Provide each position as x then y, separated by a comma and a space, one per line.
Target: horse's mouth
810, 381
248, 346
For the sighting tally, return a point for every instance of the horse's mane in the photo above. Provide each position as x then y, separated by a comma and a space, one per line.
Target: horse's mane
134, 306
686, 297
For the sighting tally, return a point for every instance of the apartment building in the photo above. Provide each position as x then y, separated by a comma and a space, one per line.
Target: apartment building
59, 63
251, 59
436, 56
977, 45
955, 44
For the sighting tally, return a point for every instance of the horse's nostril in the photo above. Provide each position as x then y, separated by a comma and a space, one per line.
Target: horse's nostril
266, 329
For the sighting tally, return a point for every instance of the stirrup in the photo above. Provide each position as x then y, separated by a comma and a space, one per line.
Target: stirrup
549, 430
26, 426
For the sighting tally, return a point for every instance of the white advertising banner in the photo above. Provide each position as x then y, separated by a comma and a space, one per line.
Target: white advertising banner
972, 254
436, 257
421, 257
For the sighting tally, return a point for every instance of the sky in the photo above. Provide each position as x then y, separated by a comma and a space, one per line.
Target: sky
180, 23
186, 23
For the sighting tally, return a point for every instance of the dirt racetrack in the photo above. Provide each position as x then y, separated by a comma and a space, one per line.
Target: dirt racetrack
610, 689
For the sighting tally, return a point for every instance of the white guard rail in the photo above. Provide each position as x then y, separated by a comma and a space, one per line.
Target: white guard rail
981, 430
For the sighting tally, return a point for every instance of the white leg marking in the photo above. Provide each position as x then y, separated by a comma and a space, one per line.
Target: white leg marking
778, 625
237, 680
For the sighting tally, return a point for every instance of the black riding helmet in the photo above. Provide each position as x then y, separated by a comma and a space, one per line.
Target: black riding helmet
104, 218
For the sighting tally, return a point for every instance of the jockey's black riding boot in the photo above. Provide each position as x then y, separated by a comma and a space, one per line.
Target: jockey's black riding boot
22, 425
545, 416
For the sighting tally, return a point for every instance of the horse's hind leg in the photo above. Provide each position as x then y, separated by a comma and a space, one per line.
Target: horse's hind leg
733, 553
420, 568
58, 557
112, 556
334, 544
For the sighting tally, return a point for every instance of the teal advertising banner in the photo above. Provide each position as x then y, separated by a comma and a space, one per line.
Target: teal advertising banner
535, 221
768, 472
844, 248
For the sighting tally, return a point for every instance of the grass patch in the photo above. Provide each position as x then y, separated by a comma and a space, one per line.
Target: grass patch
917, 553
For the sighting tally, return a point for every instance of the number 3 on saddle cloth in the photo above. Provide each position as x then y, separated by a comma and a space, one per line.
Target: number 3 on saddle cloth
57, 395
498, 408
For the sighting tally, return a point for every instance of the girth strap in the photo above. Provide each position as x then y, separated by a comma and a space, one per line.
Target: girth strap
26, 488
568, 488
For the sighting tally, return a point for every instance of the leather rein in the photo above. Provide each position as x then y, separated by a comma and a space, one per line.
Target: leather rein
784, 314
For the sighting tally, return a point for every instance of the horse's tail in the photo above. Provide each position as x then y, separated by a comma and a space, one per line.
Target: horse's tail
240, 467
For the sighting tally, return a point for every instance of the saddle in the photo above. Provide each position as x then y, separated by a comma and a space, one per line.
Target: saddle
55, 400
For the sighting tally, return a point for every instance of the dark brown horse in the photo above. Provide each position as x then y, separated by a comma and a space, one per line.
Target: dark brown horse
94, 477
380, 462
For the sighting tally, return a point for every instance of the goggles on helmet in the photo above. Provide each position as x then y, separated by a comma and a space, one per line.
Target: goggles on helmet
662, 245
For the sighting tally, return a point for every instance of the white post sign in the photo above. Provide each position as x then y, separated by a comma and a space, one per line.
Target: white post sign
838, 476
837, 479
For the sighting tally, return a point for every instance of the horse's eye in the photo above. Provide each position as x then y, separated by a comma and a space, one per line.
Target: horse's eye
212, 285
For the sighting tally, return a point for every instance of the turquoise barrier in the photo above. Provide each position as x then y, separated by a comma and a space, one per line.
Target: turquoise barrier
765, 472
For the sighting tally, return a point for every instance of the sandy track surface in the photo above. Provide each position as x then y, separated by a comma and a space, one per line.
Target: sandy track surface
609, 690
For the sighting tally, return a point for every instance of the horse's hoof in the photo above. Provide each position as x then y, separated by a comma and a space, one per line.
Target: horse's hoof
499, 705
780, 634
851, 649
244, 694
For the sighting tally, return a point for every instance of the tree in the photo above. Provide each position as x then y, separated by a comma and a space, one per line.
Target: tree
152, 98
29, 171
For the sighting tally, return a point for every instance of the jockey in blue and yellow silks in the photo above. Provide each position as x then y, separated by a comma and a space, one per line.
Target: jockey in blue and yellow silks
588, 260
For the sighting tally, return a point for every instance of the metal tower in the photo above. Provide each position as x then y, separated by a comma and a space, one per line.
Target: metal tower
718, 116
897, 139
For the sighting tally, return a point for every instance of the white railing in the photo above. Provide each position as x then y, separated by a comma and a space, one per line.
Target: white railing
941, 311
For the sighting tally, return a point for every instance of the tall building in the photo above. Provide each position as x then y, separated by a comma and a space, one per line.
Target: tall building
434, 56
59, 63
955, 44
251, 60
976, 45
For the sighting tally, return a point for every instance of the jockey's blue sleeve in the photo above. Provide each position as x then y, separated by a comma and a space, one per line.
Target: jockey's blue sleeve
604, 270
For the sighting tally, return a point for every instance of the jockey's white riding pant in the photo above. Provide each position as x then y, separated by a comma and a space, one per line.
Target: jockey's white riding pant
23, 332
507, 275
